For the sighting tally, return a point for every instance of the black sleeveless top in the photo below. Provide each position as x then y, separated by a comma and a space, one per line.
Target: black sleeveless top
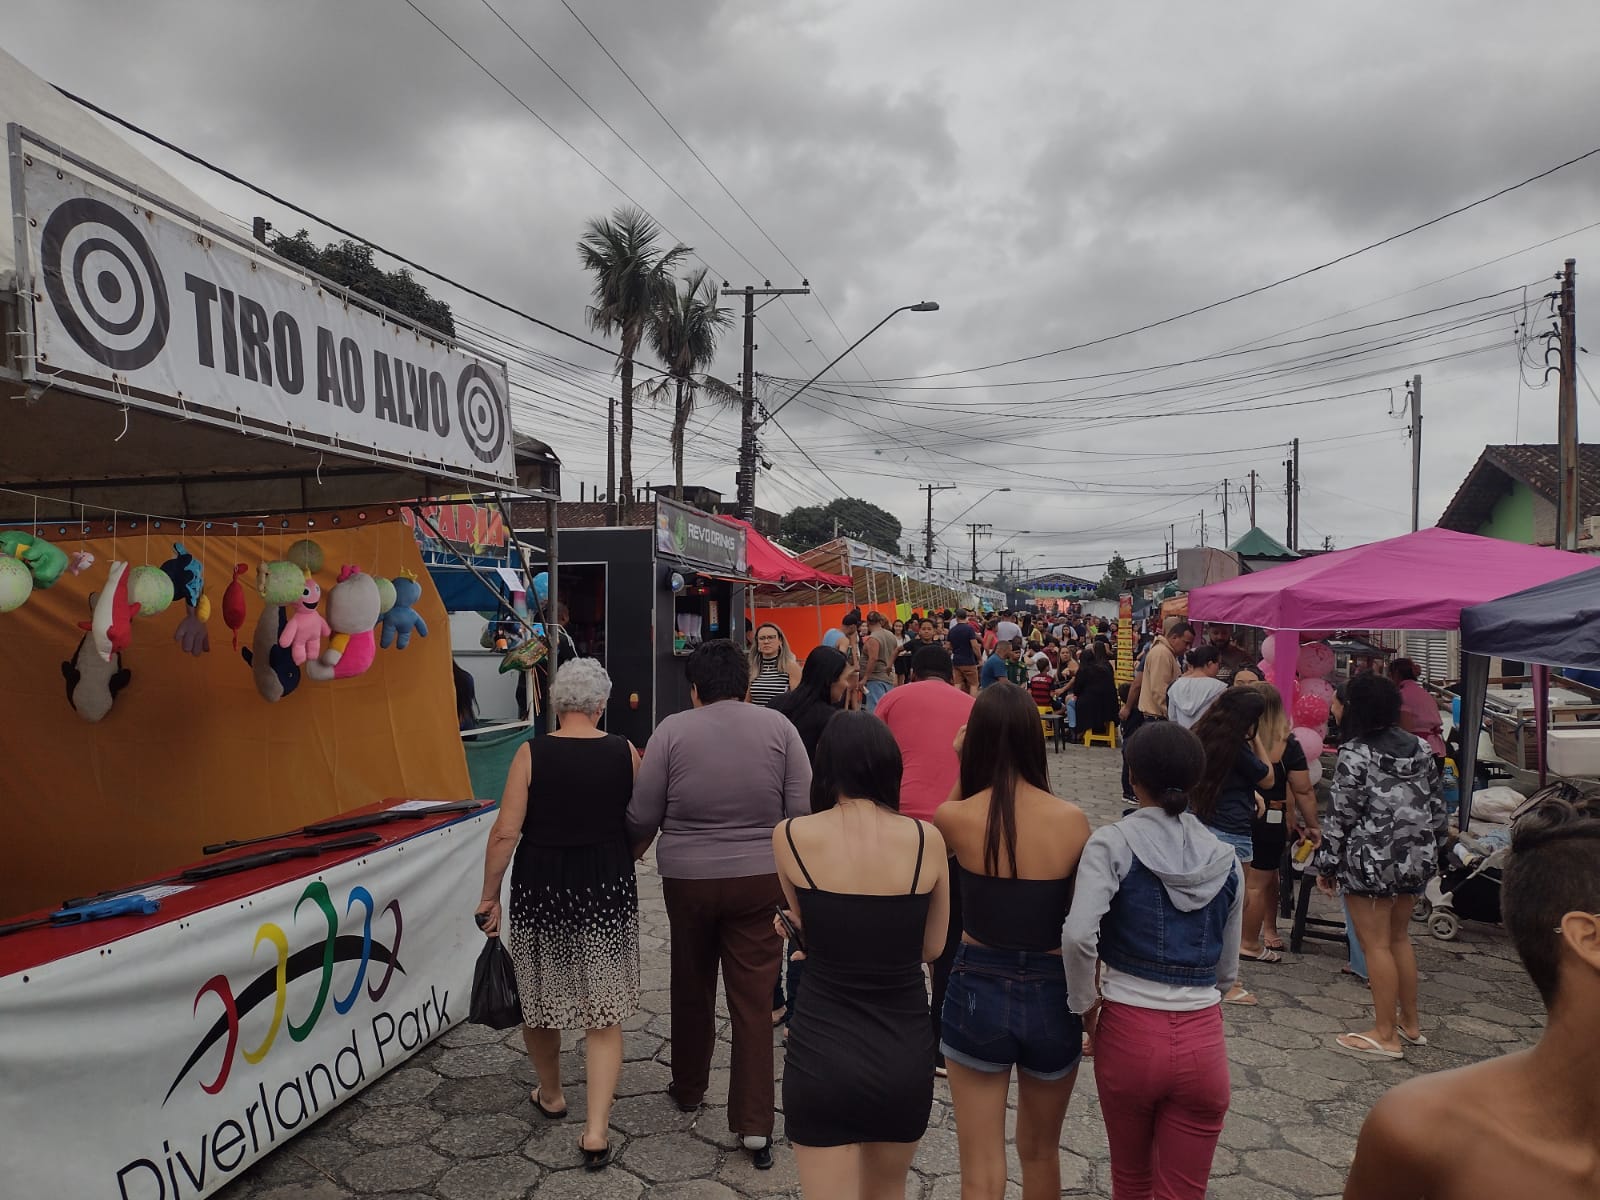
579, 791
860, 931
1014, 914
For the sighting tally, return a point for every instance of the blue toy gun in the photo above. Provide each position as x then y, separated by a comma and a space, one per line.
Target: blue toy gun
96, 910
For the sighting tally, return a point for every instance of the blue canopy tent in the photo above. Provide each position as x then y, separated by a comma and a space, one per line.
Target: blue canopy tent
1556, 624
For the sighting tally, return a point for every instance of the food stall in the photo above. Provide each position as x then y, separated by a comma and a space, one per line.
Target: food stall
203, 444
641, 597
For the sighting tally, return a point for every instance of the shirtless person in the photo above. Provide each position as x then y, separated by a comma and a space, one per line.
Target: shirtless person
1528, 1123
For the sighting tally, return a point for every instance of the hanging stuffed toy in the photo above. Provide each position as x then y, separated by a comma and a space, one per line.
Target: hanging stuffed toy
306, 555
304, 630
233, 613
44, 561
353, 607
92, 682
188, 583
151, 589
401, 620
79, 561
272, 666
280, 583
385, 594
16, 584
111, 621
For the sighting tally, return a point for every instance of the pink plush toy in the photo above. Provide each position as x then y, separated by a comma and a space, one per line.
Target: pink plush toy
353, 607
303, 632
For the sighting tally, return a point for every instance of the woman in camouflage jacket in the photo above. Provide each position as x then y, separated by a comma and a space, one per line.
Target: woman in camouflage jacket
1382, 841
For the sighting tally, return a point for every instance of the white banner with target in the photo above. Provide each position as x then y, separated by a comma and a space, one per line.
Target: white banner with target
145, 301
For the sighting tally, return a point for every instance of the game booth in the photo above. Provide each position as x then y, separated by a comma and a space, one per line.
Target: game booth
640, 597
240, 854
894, 586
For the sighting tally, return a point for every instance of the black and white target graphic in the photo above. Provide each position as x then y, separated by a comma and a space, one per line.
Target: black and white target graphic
484, 422
105, 284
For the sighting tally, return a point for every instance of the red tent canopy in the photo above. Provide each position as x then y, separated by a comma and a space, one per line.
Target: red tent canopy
775, 565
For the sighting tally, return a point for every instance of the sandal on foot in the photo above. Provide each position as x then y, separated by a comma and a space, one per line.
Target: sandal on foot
1265, 955
595, 1160
1244, 997
549, 1114
1365, 1047
1277, 944
1420, 1040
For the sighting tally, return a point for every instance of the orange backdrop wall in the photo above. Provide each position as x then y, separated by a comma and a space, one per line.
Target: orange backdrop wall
190, 753
804, 626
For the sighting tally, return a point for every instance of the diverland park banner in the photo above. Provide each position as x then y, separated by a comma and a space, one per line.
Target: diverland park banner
162, 1065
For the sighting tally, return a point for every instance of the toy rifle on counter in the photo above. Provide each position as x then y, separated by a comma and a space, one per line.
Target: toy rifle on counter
388, 816
245, 862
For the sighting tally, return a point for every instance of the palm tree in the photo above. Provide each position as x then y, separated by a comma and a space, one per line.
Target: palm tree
683, 332
631, 277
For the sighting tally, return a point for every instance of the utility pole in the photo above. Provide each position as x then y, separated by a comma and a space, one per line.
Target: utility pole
1202, 529
612, 507
1226, 541
1252, 499
745, 479
1288, 502
1000, 579
927, 548
1295, 534
977, 529
1568, 515
1415, 400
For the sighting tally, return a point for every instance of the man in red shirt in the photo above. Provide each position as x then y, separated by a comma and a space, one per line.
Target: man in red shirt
925, 715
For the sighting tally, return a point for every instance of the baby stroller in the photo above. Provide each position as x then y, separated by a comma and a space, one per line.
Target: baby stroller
1468, 884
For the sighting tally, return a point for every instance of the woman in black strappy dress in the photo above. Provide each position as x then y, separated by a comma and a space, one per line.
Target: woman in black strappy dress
869, 890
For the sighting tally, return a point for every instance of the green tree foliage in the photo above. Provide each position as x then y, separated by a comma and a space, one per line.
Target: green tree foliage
632, 280
349, 264
1114, 582
683, 331
809, 526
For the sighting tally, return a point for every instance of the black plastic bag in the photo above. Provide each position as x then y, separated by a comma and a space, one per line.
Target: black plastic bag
494, 989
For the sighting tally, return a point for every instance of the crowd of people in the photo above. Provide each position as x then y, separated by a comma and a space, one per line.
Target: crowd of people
879, 817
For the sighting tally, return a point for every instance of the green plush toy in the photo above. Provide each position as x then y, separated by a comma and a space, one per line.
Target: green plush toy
281, 582
45, 562
306, 555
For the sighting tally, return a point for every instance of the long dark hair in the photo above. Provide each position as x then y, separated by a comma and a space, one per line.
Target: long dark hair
1004, 746
857, 757
1165, 760
1224, 729
823, 667
1371, 705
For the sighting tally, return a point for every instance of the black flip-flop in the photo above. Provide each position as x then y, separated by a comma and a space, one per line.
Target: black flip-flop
549, 1114
595, 1160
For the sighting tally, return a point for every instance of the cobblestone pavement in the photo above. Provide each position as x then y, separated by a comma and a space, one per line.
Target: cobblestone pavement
454, 1122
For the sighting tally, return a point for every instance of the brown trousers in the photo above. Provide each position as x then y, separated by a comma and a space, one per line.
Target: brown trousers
726, 922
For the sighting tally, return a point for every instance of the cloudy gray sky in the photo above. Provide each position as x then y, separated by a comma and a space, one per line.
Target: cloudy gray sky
1051, 173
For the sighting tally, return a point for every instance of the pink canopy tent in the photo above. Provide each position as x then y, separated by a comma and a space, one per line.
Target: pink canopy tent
1420, 580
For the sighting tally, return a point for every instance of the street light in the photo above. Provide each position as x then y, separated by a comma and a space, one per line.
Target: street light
923, 306
968, 509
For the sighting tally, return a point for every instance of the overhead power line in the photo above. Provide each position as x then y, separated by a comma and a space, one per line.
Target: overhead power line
1266, 287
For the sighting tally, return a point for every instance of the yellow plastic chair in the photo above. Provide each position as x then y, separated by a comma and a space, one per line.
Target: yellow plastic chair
1108, 737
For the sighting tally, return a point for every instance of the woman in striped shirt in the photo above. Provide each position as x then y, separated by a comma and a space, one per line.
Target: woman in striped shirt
774, 670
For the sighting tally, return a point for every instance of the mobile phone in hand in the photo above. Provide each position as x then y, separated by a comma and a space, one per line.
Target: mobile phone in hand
790, 928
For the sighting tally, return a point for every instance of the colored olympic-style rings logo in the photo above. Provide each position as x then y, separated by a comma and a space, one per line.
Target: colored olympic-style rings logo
274, 982
482, 412
105, 284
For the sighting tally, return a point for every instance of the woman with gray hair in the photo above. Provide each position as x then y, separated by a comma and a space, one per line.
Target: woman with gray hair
574, 921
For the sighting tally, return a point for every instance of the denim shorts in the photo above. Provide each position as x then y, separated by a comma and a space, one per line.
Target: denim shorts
1008, 1008
1243, 844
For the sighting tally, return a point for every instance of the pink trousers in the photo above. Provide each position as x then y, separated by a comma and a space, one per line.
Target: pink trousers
1164, 1089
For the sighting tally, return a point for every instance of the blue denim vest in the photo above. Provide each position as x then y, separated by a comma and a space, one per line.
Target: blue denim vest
1144, 933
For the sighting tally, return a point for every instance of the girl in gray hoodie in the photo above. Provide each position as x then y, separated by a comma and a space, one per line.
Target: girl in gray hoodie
1157, 907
